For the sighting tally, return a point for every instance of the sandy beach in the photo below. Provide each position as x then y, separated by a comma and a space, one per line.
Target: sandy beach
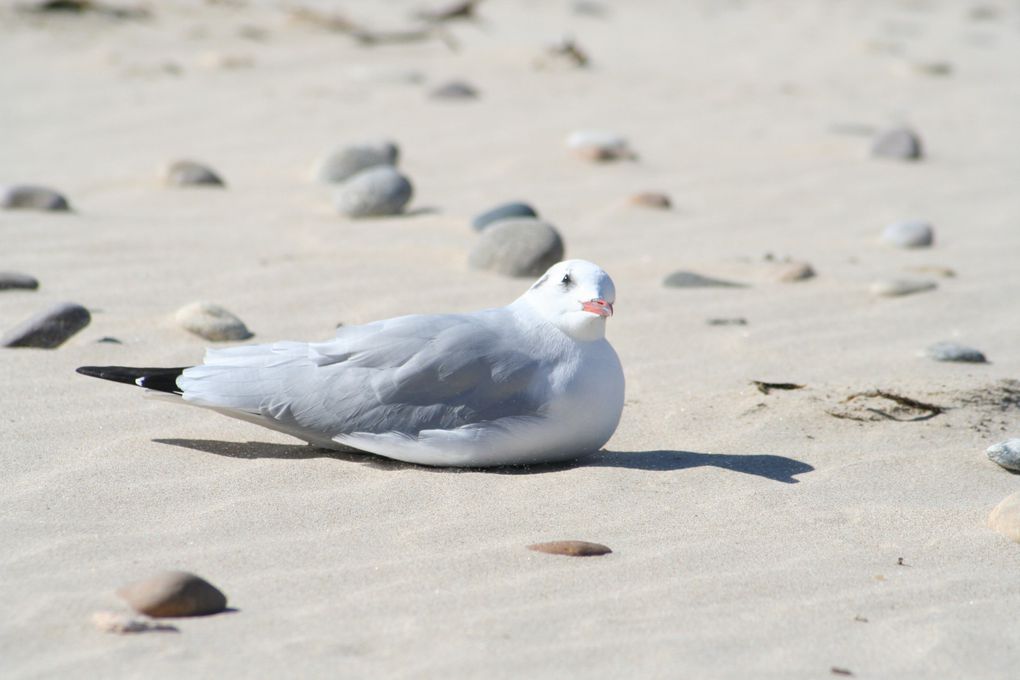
822, 531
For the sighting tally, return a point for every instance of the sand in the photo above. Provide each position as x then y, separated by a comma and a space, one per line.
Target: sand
754, 535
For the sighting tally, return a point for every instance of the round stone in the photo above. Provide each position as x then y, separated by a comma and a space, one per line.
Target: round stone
17, 280
686, 279
344, 163
174, 593
212, 322
599, 145
48, 329
899, 143
792, 271
900, 287
504, 211
651, 199
571, 548
1006, 454
951, 351
456, 89
517, 247
374, 192
1005, 518
28, 197
909, 234
190, 173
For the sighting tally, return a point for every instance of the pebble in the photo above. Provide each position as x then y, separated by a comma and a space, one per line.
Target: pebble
899, 287
455, 89
898, 143
212, 322
28, 197
736, 321
1005, 518
571, 548
517, 247
12, 280
190, 173
344, 163
951, 351
174, 593
1006, 454
685, 279
651, 199
504, 211
374, 192
598, 145
944, 272
789, 272
50, 328
121, 623
908, 234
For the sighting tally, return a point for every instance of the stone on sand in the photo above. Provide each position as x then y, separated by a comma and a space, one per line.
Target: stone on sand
1005, 518
908, 234
899, 144
1006, 454
375, 192
900, 287
185, 173
212, 322
30, 197
571, 548
952, 351
48, 329
174, 593
650, 199
456, 90
17, 280
504, 211
517, 247
686, 279
342, 164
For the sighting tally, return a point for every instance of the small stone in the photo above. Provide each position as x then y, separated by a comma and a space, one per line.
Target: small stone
121, 623
589, 8
908, 234
48, 329
899, 287
598, 145
344, 163
109, 340
455, 89
737, 321
951, 351
939, 69
944, 272
789, 272
504, 211
685, 279
211, 322
17, 280
651, 199
899, 143
517, 247
571, 548
189, 173
1006, 454
374, 192
174, 593
28, 197
1005, 518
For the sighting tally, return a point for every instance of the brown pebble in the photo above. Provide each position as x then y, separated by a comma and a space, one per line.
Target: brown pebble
651, 199
789, 272
174, 593
571, 548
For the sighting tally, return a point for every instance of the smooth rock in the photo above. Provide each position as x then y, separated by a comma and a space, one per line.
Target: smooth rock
190, 173
455, 89
899, 287
28, 197
571, 548
211, 322
685, 279
344, 163
518, 247
599, 145
374, 192
790, 272
1006, 454
174, 593
1005, 518
735, 321
908, 234
951, 351
898, 143
48, 329
17, 280
651, 199
504, 211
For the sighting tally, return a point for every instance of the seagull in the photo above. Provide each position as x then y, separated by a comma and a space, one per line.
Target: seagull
533, 382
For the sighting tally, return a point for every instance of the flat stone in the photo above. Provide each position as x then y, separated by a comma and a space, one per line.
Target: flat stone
899, 143
685, 279
517, 247
735, 321
29, 197
650, 199
455, 89
1005, 518
900, 287
187, 173
342, 164
48, 329
17, 280
1006, 454
571, 548
374, 192
174, 593
503, 211
908, 234
790, 272
951, 351
212, 322
599, 145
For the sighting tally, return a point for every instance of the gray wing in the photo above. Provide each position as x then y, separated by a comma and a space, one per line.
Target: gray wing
402, 375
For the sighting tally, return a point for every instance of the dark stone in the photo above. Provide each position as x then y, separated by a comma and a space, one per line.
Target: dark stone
174, 593
28, 197
454, 90
571, 548
17, 280
951, 351
189, 173
48, 329
685, 279
899, 143
518, 247
503, 212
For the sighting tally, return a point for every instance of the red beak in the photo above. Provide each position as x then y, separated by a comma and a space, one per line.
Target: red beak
598, 306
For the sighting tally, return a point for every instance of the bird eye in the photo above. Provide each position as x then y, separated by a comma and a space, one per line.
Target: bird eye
566, 280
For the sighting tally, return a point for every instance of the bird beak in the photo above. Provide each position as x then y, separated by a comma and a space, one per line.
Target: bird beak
598, 306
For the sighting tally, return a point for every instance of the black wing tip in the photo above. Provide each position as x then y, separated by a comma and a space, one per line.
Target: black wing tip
159, 379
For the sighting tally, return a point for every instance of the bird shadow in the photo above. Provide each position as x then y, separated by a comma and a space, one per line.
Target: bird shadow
776, 468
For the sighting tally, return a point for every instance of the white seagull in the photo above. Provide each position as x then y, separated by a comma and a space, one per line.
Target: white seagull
535, 381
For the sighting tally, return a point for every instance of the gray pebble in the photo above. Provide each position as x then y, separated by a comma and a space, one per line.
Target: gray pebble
211, 322
898, 143
455, 89
504, 211
344, 163
374, 192
174, 593
685, 279
10, 280
518, 247
900, 287
28, 197
48, 329
951, 351
1006, 454
736, 321
908, 234
190, 173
